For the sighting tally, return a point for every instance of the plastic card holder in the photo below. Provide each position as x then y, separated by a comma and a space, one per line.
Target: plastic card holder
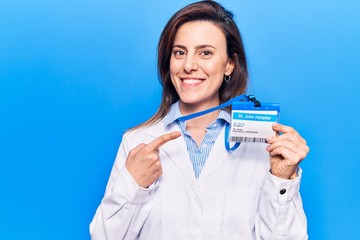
252, 124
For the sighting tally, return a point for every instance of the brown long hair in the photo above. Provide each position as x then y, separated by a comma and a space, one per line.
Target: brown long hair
200, 11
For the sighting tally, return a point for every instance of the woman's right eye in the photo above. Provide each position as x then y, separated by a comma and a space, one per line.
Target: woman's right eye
178, 52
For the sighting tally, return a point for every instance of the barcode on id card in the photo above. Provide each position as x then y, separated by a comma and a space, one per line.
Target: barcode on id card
247, 139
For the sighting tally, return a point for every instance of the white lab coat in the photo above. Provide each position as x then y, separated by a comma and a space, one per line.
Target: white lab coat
235, 196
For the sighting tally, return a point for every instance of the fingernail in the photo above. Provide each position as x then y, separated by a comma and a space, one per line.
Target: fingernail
275, 125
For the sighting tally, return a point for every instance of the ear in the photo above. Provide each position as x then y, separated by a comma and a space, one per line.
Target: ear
230, 65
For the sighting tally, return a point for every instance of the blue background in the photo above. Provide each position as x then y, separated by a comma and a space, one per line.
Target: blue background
75, 74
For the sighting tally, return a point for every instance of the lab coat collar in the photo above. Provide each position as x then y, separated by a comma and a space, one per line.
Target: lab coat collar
176, 150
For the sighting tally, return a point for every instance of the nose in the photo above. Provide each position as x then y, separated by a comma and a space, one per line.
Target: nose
190, 64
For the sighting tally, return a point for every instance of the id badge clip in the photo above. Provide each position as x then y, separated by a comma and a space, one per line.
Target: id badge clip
252, 121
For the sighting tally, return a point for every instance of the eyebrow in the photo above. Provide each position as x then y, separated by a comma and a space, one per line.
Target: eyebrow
197, 47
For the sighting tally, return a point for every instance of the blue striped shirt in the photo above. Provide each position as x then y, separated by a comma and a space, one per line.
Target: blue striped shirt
198, 154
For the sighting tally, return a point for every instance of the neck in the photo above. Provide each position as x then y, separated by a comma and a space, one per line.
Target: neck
189, 108
201, 121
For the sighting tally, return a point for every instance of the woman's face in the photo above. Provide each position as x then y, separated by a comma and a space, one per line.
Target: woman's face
198, 64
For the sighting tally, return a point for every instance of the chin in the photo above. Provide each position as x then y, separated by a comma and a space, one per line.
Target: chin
193, 99
194, 102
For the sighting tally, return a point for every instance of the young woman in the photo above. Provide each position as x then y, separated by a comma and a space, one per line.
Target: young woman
175, 180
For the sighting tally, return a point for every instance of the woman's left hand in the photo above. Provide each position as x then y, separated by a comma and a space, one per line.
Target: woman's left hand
286, 151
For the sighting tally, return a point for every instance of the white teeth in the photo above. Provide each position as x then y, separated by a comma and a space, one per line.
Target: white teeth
192, 81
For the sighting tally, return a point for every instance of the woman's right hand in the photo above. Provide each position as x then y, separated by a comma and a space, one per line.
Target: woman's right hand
143, 162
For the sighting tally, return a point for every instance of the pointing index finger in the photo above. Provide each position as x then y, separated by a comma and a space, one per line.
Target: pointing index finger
158, 142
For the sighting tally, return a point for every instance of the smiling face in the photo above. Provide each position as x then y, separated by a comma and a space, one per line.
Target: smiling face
198, 64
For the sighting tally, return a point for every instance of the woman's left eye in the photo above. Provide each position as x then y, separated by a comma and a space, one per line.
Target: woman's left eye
206, 53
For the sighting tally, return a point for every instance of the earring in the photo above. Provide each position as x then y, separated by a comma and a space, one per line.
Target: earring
227, 78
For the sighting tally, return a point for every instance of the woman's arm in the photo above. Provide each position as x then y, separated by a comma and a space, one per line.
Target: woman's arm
125, 205
130, 190
281, 214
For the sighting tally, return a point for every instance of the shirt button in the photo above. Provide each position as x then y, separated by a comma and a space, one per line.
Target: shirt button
283, 191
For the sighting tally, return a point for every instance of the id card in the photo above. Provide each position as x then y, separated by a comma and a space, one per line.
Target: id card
252, 124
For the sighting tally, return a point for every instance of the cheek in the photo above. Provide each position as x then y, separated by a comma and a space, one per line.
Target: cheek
174, 66
172, 77
214, 67
173, 81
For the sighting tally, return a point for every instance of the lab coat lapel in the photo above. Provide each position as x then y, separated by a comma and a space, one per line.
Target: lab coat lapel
217, 155
176, 151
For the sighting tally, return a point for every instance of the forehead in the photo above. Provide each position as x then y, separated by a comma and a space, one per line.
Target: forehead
199, 33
